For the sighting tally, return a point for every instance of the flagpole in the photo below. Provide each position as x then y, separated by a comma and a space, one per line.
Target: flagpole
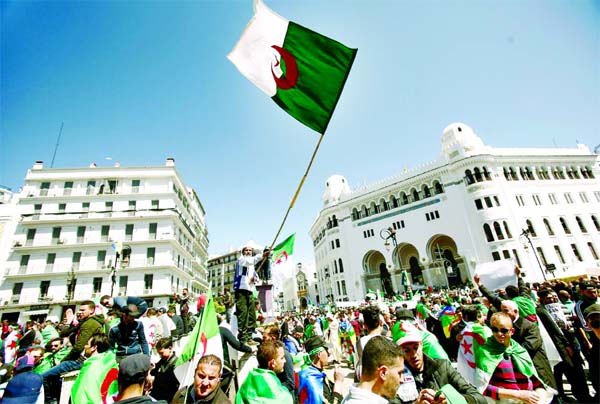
291, 205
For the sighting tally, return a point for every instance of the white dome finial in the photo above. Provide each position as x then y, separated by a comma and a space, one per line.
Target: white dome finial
335, 187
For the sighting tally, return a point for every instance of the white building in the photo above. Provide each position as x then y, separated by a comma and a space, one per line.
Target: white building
468, 207
72, 221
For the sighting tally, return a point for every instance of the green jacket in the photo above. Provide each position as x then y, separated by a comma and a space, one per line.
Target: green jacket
86, 329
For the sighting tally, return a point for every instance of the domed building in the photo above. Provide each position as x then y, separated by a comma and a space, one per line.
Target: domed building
433, 225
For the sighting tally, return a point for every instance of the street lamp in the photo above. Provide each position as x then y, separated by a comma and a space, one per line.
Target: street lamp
71, 281
525, 237
386, 235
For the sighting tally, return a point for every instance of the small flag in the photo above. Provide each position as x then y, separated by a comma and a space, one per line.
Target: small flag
448, 318
204, 339
97, 380
303, 71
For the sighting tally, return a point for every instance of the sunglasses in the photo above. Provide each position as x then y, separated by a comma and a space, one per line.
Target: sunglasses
54, 346
496, 330
595, 324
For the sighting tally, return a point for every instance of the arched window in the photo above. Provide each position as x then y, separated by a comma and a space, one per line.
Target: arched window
426, 191
565, 227
404, 198
523, 174
364, 211
469, 177
355, 214
590, 172
513, 174
580, 224
570, 172
488, 232
507, 230
486, 174
334, 220
439, 189
415, 270
394, 201
415, 195
575, 171
507, 176
596, 223
498, 231
478, 176
530, 228
383, 205
548, 227
584, 173
329, 223
340, 265
373, 208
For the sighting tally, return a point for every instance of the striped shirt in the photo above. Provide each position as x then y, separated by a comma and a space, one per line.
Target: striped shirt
506, 376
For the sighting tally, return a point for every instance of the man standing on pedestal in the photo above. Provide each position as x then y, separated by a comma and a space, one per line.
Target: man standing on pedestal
244, 284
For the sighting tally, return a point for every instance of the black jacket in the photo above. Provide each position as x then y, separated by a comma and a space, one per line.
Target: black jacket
165, 383
439, 372
528, 335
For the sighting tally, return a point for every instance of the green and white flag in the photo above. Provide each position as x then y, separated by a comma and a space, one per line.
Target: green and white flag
281, 257
303, 71
203, 340
97, 380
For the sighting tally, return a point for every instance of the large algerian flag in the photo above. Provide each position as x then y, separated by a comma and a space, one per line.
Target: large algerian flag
471, 338
281, 257
97, 380
303, 71
203, 340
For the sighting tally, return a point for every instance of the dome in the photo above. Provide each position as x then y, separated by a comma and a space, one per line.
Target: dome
459, 139
335, 187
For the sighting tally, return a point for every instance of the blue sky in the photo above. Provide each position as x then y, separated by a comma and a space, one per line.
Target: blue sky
139, 81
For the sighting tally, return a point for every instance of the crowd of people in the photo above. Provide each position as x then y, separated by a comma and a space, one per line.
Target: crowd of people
470, 345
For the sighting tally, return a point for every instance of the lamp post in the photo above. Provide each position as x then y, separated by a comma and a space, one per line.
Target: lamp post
525, 237
386, 235
70, 285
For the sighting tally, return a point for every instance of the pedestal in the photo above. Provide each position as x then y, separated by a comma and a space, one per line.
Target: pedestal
265, 297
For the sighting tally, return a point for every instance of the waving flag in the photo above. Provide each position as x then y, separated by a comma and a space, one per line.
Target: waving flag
302, 71
97, 380
448, 318
281, 257
204, 339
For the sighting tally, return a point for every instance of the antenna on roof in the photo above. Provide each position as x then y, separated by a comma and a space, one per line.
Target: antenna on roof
62, 124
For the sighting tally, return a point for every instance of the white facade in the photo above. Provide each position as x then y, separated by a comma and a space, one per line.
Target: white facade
69, 220
468, 207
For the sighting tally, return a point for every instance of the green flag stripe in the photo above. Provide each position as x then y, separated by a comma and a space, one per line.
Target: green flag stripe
323, 67
287, 245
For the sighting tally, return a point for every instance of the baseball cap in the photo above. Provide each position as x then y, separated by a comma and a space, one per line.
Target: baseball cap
134, 368
593, 309
23, 388
587, 285
404, 314
411, 336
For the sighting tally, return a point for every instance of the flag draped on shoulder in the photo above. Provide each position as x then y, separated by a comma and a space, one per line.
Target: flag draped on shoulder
97, 380
471, 338
490, 355
303, 71
203, 340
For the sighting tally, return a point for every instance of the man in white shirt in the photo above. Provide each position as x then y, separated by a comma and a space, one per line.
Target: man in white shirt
382, 368
243, 284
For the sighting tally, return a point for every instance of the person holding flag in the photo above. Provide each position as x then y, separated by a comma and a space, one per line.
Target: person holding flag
203, 340
470, 339
97, 379
244, 282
